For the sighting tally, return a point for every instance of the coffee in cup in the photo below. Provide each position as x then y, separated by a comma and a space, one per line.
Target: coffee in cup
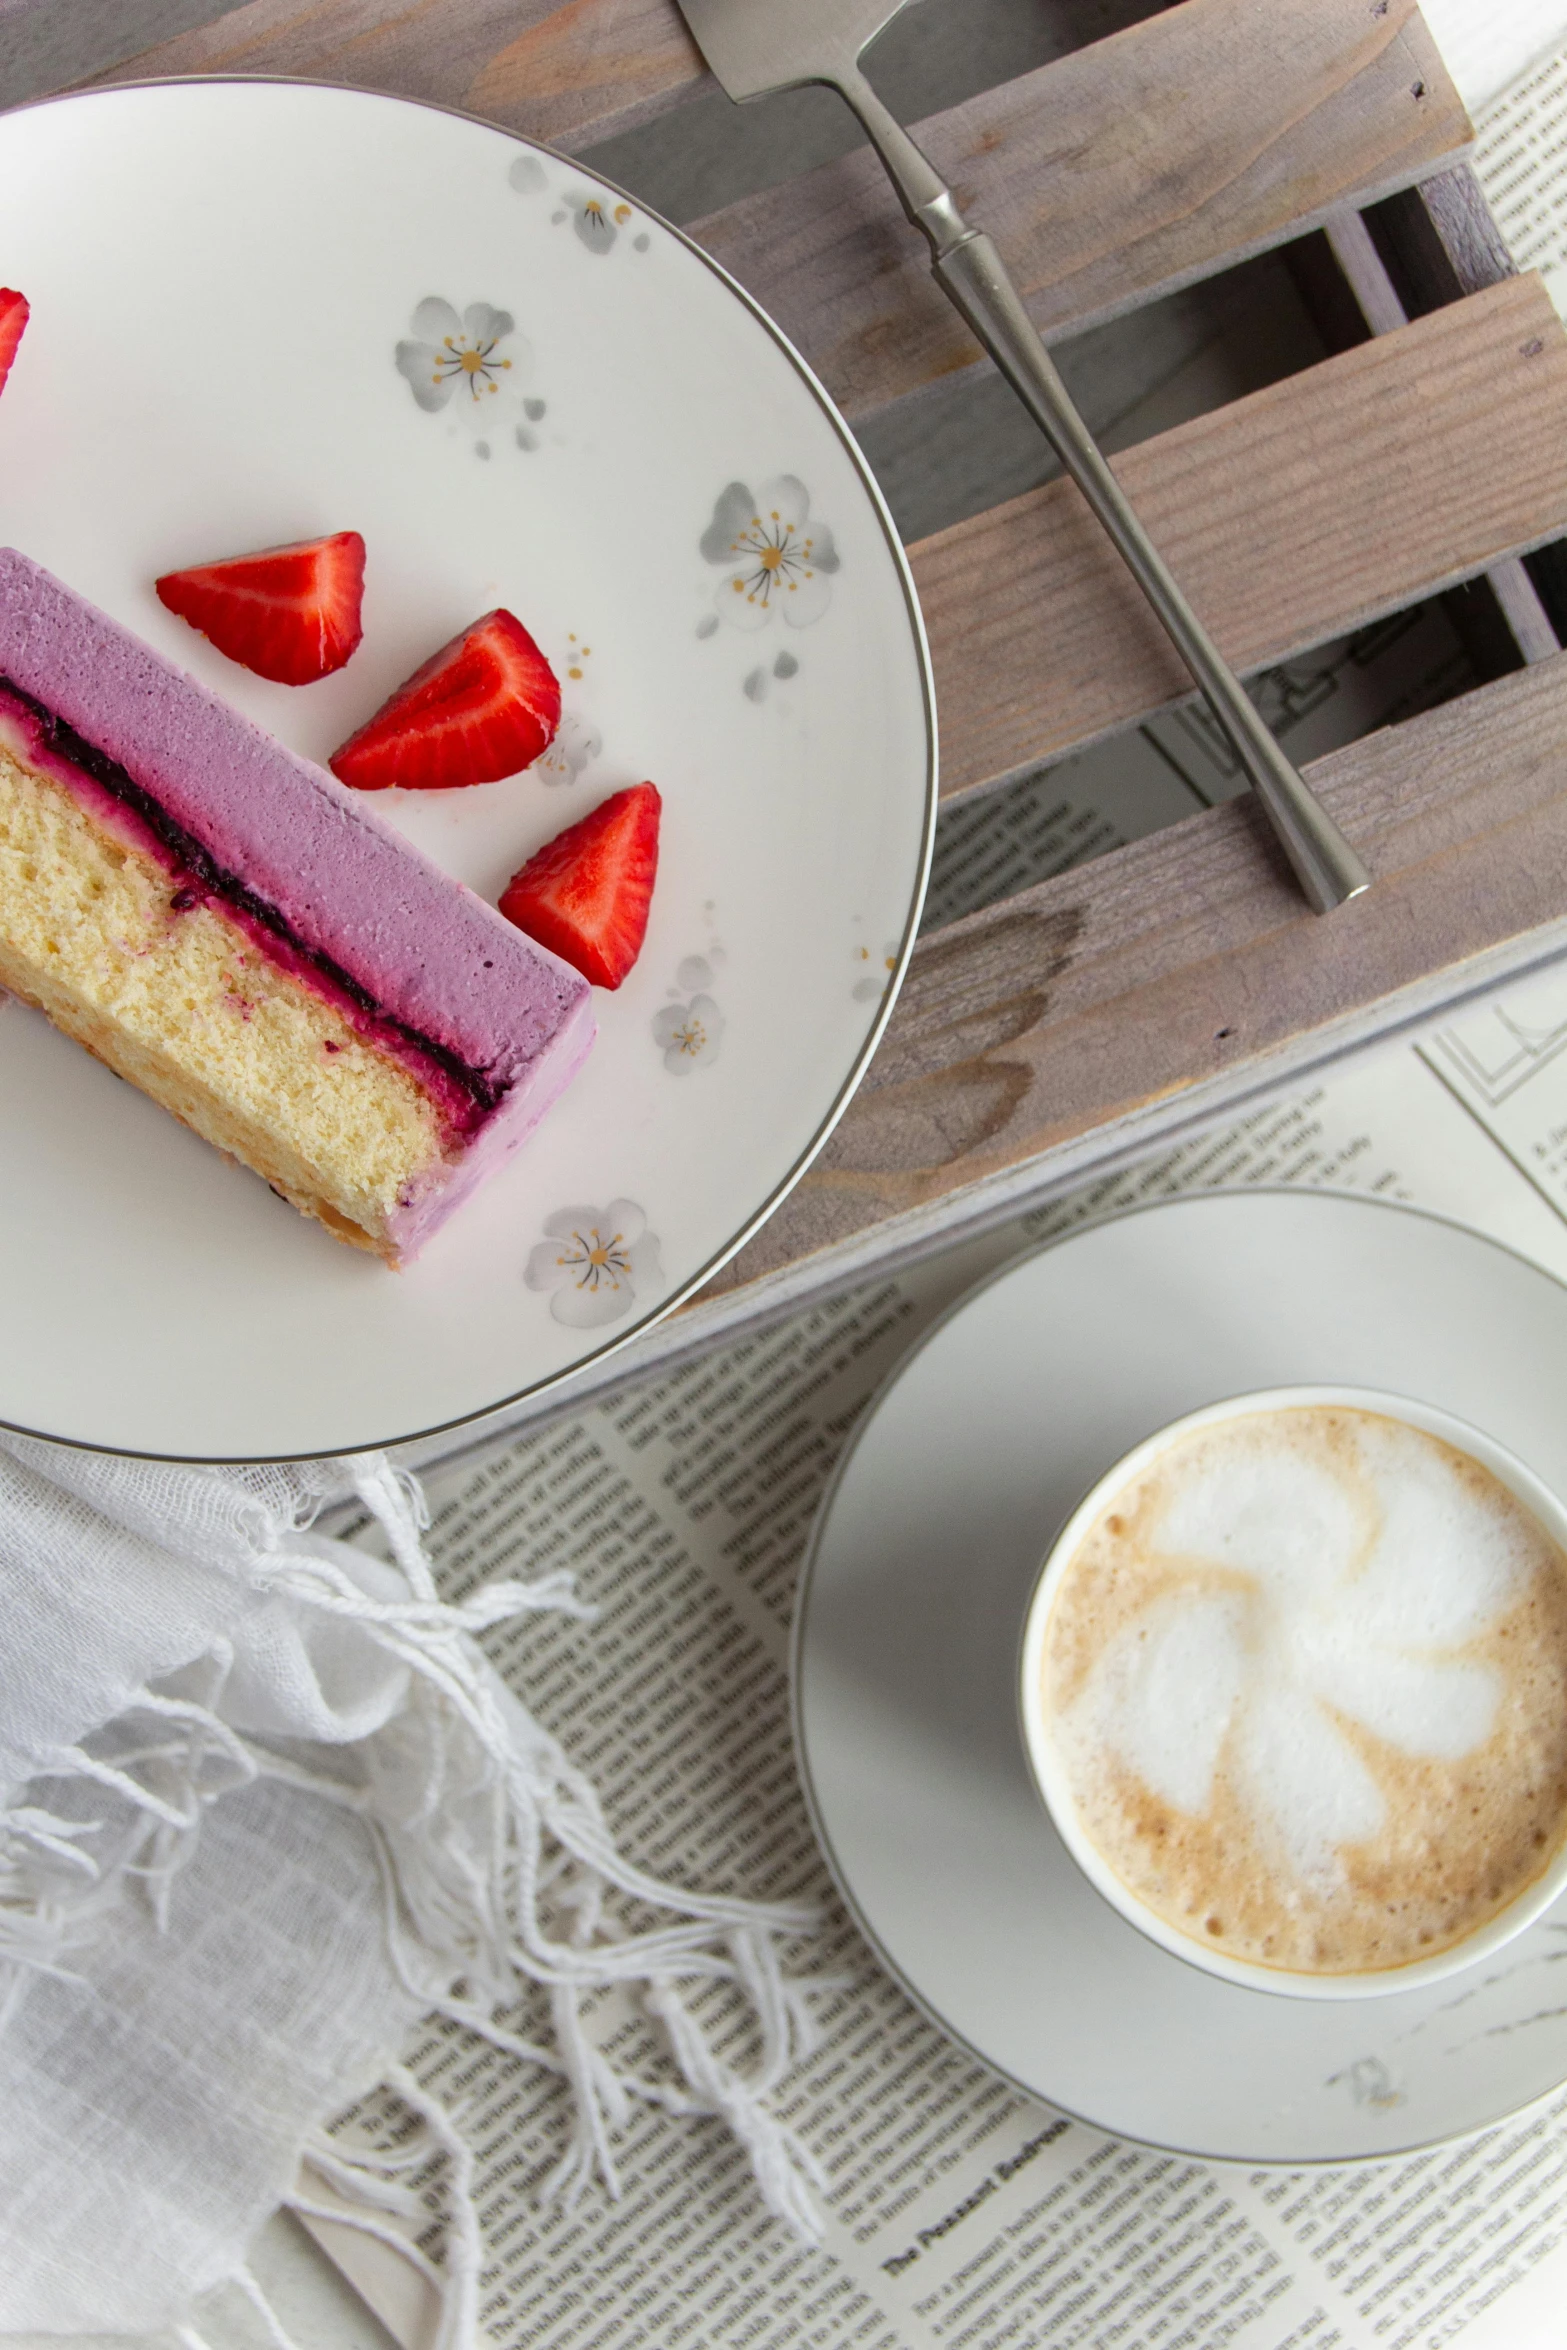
1296, 1690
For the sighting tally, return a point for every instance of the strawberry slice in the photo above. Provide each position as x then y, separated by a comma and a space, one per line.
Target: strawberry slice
13, 317
484, 706
586, 893
288, 613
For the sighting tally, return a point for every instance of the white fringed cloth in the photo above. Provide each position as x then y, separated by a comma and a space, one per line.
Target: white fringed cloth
263, 1805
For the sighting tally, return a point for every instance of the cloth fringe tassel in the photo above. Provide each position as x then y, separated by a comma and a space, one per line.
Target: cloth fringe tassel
497, 1865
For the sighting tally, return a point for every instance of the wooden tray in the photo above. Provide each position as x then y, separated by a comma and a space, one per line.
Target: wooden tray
1172, 980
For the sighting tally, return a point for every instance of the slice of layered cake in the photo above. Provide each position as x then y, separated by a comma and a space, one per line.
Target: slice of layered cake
239, 935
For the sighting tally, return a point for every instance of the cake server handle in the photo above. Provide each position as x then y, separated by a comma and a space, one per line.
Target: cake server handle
974, 277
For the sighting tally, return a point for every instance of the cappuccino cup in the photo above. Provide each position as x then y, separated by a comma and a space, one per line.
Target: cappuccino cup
1293, 1689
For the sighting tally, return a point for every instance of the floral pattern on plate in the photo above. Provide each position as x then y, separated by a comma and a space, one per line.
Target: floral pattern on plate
688, 1033
444, 353
598, 220
576, 745
689, 1029
593, 1261
757, 683
875, 973
773, 556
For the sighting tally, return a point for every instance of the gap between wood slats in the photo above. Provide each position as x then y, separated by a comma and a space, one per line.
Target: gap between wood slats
1291, 516
1175, 148
1213, 130
1123, 999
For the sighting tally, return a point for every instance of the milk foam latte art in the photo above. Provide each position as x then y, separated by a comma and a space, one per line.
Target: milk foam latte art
1305, 1677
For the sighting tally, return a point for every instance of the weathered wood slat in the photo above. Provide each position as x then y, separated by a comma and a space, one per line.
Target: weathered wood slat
1291, 516
1109, 1005
565, 74
1170, 150
1121, 1002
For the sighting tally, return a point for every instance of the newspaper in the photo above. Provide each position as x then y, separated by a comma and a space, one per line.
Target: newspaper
959, 2215
1486, 48
1518, 162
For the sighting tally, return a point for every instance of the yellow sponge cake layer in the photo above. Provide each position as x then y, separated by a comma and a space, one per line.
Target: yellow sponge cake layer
179, 998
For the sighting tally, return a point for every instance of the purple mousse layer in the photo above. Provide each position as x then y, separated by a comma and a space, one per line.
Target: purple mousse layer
29, 733
301, 855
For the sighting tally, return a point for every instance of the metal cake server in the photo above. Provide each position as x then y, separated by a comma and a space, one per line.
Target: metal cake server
758, 46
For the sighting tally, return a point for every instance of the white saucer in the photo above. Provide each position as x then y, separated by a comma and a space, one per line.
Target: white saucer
906, 1655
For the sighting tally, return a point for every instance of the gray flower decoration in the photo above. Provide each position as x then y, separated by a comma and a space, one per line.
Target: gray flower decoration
688, 1034
447, 355
598, 220
873, 981
576, 743
593, 1262
774, 557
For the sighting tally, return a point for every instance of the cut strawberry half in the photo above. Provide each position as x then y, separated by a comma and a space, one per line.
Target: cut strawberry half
586, 893
13, 317
288, 613
484, 706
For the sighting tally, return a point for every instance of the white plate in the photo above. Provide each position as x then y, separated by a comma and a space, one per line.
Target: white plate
907, 1637
220, 275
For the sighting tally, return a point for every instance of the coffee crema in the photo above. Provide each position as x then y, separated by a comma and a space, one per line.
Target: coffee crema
1306, 1677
